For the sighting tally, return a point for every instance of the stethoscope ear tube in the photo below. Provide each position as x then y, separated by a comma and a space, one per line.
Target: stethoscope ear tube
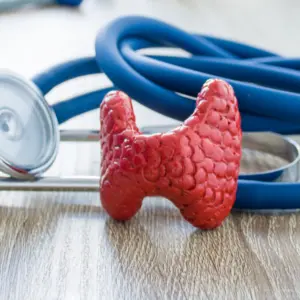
265, 196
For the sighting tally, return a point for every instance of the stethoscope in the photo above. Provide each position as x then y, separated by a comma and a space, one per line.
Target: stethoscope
266, 86
7, 5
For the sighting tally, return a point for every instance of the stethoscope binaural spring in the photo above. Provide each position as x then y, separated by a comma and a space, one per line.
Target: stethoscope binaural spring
266, 86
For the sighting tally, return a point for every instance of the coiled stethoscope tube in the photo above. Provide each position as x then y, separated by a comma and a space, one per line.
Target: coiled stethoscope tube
266, 86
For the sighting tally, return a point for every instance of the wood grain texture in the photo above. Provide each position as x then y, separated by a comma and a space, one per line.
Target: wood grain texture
64, 246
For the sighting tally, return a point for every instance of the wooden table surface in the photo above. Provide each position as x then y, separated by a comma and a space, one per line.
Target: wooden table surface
64, 246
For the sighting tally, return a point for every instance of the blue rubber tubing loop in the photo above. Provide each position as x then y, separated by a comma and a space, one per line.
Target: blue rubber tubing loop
61, 73
69, 2
66, 110
85, 66
121, 68
266, 85
256, 195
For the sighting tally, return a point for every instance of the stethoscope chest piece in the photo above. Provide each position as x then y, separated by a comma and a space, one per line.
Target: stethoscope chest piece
29, 135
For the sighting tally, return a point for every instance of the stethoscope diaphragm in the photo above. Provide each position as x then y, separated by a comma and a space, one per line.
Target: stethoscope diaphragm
29, 135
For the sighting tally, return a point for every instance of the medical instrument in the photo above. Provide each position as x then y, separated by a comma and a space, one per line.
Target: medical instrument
15, 4
266, 86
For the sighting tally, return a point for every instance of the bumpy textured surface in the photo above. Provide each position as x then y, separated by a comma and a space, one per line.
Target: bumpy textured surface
196, 165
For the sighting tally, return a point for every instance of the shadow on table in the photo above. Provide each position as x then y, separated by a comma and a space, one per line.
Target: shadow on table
164, 256
159, 255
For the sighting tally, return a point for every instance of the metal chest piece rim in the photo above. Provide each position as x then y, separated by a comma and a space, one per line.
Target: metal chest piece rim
34, 132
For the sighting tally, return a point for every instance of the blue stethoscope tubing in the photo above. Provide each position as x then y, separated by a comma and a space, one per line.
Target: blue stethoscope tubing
267, 87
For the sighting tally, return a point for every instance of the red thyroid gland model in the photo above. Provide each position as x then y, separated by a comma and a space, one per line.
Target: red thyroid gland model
196, 165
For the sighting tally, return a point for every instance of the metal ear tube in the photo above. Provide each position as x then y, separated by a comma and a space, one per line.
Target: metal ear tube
266, 142
284, 148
